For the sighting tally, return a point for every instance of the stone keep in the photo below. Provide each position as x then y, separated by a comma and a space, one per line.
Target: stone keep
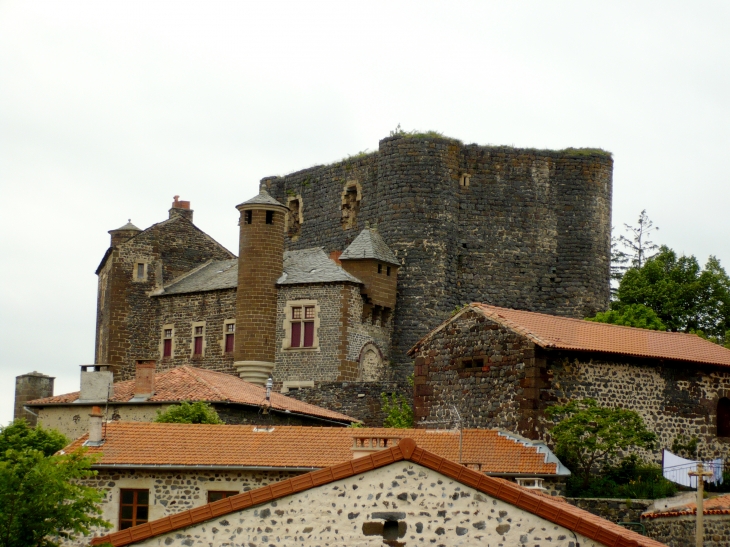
521, 228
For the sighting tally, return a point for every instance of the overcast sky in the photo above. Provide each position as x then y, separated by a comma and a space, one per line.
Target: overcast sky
109, 109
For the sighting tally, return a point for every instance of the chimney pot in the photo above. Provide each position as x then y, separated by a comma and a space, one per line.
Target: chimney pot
181, 209
144, 379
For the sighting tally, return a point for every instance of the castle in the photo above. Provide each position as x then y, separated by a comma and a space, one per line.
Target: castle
342, 268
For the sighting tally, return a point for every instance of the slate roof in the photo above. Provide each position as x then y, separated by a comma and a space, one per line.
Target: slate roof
549, 508
719, 505
127, 226
263, 198
369, 244
212, 276
312, 266
552, 332
152, 444
196, 384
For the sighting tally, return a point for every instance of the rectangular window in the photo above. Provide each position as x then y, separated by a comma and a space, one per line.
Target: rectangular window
198, 341
217, 495
230, 337
247, 216
380, 268
269, 217
166, 343
133, 507
140, 271
302, 327
387, 270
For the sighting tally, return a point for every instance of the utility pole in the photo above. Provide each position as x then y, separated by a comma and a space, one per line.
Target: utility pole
700, 526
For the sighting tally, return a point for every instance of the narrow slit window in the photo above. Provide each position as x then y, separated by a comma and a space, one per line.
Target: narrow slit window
167, 343
230, 337
247, 216
387, 270
140, 271
269, 217
380, 268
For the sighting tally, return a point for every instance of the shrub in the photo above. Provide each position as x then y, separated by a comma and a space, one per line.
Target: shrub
199, 412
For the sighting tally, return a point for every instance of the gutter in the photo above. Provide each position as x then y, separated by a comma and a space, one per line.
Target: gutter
203, 467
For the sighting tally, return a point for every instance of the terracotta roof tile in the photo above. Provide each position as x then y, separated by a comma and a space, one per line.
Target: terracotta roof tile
549, 331
719, 505
552, 509
152, 444
196, 384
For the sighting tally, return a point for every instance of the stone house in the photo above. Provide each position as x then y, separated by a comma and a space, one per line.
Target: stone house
399, 496
175, 467
140, 399
502, 368
676, 526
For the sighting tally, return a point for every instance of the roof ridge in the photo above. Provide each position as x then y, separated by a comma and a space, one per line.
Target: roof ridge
192, 371
555, 511
187, 274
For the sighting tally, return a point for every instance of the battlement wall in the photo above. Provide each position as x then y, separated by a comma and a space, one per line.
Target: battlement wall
520, 228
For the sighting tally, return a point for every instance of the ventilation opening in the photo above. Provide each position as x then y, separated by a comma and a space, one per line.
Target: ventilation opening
723, 417
269, 217
247, 216
464, 180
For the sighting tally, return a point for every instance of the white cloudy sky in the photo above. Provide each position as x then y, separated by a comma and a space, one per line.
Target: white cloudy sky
108, 109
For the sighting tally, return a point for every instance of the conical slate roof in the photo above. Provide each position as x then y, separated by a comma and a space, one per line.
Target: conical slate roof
127, 226
369, 244
263, 198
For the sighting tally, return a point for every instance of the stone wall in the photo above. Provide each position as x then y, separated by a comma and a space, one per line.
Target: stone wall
172, 491
360, 400
401, 504
342, 334
676, 398
615, 510
496, 389
680, 531
531, 230
127, 318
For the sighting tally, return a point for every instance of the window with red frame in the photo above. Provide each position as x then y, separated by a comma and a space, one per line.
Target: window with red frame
134, 507
302, 327
198, 341
167, 343
230, 336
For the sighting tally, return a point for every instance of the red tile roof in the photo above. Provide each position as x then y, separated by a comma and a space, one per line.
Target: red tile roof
719, 505
551, 509
145, 444
549, 331
196, 384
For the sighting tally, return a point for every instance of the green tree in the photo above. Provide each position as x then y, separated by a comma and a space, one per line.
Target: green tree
640, 249
685, 297
587, 435
198, 412
19, 436
632, 315
399, 413
41, 500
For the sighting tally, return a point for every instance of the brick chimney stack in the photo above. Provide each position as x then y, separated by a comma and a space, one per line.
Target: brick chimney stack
181, 208
144, 380
260, 264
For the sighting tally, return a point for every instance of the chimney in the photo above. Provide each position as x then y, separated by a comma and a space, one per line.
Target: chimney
95, 427
144, 381
364, 445
28, 387
97, 384
181, 209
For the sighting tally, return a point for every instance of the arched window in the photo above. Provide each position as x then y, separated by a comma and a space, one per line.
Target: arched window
723, 417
